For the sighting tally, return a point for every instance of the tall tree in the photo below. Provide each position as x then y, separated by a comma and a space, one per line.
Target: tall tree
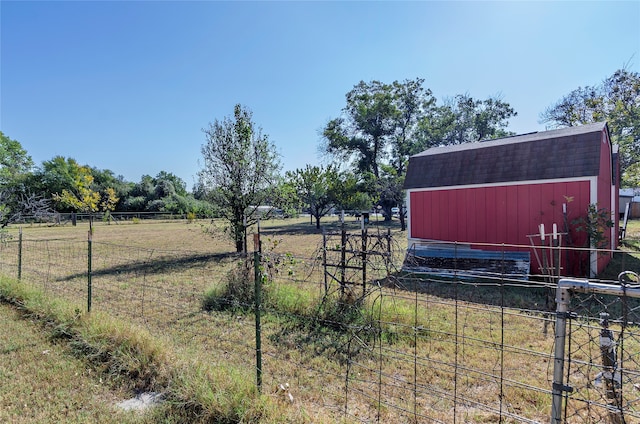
315, 186
412, 102
383, 124
104, 179
363, 132
172, 182
464, 119
615, 100
287, 197
355, 193
389, 187
377, 128
241, 166
15, 163
82, 196
54, 176
16, 200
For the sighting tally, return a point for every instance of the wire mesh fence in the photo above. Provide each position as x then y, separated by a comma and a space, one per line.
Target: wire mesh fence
598, 338
353, 336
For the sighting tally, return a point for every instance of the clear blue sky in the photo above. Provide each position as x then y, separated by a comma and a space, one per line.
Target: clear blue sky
128, 86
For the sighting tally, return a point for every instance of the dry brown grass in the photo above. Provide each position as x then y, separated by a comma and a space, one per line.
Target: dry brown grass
437, 355
42, 383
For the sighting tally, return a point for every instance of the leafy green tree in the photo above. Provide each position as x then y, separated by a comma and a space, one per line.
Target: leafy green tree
81, 196
413, 102
241, 168
354, 193
16, 200
364, 130
288, 199
174, 183
615, 100
146, 188
54, 176
109, 202
464, 119
383, 124
315, 186
165, 192
15, 163
378, 129
76, 187
104, 179
134, 204
389, 187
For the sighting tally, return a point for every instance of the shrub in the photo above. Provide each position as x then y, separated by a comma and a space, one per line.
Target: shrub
596, 224
236, 293
136, 203
341, 312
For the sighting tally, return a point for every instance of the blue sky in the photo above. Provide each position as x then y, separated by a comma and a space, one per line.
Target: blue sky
128, 86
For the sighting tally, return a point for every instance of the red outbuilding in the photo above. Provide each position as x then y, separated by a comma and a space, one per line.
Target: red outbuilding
501, 191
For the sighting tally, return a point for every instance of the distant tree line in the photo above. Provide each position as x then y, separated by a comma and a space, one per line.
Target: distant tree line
63, 185
367, 148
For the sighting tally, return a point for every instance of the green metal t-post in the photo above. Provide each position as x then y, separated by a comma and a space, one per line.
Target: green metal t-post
89, 273
258, 295
20, 254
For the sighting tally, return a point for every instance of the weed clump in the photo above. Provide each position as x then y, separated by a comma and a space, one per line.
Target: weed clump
236, 293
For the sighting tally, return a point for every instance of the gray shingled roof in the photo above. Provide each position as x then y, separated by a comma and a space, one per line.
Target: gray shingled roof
563, 153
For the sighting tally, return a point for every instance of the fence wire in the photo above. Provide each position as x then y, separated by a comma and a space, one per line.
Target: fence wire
602, 366
398, 347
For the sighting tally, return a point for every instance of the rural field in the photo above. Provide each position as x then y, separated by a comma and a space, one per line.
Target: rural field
358, 340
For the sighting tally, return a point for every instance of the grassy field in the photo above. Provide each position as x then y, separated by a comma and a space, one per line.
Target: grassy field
154, 275
42, 382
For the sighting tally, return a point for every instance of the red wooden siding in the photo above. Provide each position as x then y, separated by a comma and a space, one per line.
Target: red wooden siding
497, 214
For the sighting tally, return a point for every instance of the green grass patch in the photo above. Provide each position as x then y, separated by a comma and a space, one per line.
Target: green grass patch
41, 383
128, 358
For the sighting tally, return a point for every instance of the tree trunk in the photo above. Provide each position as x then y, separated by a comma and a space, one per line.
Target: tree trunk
240, 239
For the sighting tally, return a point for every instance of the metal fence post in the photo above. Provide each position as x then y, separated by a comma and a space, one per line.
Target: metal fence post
563, 298
324, 259
257, 302
343, 259
364, 262
612, 383
89, 271
20, 254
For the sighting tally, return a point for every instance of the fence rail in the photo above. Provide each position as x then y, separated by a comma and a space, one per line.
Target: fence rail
409, 348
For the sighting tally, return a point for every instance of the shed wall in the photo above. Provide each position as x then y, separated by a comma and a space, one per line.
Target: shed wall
498, 214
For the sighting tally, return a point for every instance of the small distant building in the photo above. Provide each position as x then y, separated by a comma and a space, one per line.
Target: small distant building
265, 212
500, 191
626, 198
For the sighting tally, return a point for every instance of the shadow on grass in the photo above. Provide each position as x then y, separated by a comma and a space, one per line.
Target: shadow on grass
337, 330
529, 295
526, 295
622, 260
159, 265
